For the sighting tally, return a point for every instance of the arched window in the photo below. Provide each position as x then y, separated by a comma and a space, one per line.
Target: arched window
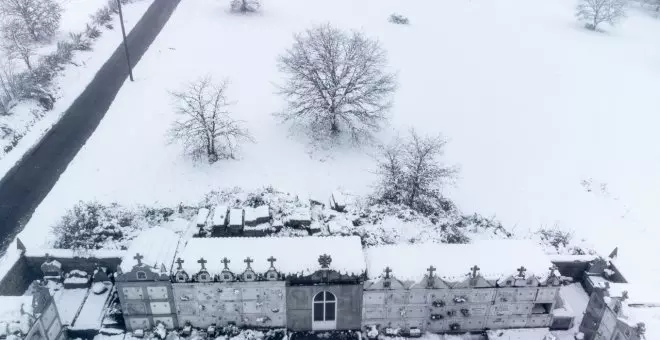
325, 308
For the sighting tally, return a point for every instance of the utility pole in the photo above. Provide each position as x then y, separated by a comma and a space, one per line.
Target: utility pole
123, 33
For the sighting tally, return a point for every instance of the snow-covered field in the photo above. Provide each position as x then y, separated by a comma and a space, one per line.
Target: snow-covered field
551, 124
72, 80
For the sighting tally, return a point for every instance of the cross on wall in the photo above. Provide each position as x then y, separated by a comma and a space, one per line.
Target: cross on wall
387, 272
226, 261
475, 270
180, 262
521, 271
272, 261
248, 261
139, 258
202, 262
431, 269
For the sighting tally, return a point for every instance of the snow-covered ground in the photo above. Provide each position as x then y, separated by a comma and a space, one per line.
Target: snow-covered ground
551, 124
72, 80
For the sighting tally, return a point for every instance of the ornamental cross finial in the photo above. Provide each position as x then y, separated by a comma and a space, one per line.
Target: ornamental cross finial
431, 270
387, 272
521, 271
202, 262
139, 258
325, 260
226, 261
248, 261
180, 262
48, 257
475, 270
272, 261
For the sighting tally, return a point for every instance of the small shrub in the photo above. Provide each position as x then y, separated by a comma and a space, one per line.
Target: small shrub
245, 6
399, 19
556, 238
64, 52
109, 26
92, 32
102, 16
80, 42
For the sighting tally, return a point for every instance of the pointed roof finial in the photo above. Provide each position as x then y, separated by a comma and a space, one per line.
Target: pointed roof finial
20, 245
614, 253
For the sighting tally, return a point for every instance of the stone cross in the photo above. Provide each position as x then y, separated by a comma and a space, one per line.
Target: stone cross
139, 258
48, 258
272, 261
387, 272
226, 261
179, 262
521, 271
475, 269
431, 270
202, 262
248, 261
325, 260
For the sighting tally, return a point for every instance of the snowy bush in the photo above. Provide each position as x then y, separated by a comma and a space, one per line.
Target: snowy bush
595, 12
245, 6
80, 42
92, 31
411, 172
336, 83
205, 126
40, 19
399, 19
555, 237
102, 16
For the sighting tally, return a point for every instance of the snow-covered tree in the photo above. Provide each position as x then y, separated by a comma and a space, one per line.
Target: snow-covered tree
40, 18
245, 6
411, 172
17, 42
337, 82
595, 12
205, 126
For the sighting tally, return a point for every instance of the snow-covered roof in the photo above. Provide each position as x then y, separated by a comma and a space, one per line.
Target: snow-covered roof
219, 215
496, 259
252, 214
294, 255
10, 307
638, 294
236, 217
157, 245
202, 216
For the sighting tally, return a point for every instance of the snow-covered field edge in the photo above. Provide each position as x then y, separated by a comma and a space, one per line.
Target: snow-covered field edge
71, 81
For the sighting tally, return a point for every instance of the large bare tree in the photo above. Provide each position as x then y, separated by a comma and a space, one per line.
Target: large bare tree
40, 18
336, 82
595, 12
205, 127
411, 171
17, 43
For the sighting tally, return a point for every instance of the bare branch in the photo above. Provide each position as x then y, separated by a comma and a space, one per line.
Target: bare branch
39, 18
205, 127
595, 12
336, 83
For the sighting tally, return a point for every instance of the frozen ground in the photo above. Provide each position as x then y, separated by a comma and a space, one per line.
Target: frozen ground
550, 123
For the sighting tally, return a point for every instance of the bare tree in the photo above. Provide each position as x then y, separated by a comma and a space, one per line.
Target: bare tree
205, 127
336, 82
8, 86
245, 6
40, 18
411, 172
17, 43
595, 12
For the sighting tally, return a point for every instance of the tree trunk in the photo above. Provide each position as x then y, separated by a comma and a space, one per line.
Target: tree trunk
26, 59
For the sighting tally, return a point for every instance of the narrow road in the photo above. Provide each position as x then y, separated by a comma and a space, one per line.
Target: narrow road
31, 179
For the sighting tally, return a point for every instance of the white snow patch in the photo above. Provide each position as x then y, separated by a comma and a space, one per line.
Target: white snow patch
202, 216
295, 255
220, 215
495, 258
158, 246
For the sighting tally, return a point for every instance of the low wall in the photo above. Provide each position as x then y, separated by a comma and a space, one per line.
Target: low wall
27, 266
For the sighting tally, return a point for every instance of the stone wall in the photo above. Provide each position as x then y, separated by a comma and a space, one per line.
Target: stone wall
17, 280
257, 304
146, 303
458, 310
